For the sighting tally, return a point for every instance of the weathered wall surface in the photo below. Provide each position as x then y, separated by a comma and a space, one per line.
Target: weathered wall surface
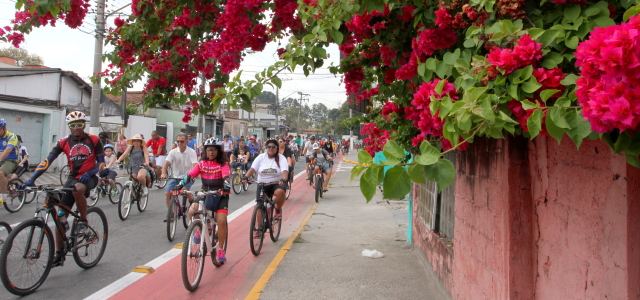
538, 220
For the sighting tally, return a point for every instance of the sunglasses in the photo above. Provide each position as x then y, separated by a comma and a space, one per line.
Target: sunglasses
271, 147
76, 125
212, 150
181, 142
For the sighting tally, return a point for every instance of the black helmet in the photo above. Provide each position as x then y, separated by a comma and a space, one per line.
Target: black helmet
313, 137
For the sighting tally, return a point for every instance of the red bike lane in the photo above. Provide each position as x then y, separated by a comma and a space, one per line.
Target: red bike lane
242, 269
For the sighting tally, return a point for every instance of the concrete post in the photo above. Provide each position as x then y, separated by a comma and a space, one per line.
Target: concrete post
96, 89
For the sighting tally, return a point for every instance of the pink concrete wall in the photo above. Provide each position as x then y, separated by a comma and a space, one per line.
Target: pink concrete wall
582, 208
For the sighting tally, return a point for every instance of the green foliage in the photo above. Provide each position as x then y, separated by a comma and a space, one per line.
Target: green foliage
131, 109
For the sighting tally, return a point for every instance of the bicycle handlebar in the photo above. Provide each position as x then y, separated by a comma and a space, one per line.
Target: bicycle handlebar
48, 188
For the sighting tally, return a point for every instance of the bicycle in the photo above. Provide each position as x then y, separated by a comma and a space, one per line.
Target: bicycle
104, 189
198, 239
177, 210
310, 171
64, 174
319, 180
5, 230
22, 269
15, 198
236, 181
131, 192
162, 183
259, 225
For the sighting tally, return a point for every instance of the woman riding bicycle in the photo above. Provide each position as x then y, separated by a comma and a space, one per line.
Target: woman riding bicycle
139, 156
214, 170
271, 167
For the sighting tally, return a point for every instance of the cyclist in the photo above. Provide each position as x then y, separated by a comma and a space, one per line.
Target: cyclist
159, 150
84, 154
308, 151
254, 147
139, 156
345, 147
271, 166
322, 163
227, 143
8, 158
288, 154
214, 170
111, 169
299, 142
23, 165
182, 159
328, 146
236, 153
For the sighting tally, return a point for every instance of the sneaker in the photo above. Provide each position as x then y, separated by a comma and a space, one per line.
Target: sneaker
113, 192
58, 260
196, 238
221, 257
308, 178
278, 214
145, 191
257, 234
81, 227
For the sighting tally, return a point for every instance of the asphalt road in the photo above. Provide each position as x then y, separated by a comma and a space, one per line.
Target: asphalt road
136, 241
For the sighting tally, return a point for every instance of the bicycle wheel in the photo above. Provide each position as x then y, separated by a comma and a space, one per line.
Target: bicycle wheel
115, 198
142, 203
318, 189
193, 255
124, 205
288, 191
92, 200
64, 173
215, 241
172, 219
236, 183
5, 229
23, 274
29, 197
185, 210
310, 174
88, 247
15, 199
256, 233
274, 231
245, 186
162, 183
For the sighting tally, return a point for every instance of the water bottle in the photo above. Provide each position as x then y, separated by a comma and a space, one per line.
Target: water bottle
63, 220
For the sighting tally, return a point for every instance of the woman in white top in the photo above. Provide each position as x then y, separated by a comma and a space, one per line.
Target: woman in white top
271, 166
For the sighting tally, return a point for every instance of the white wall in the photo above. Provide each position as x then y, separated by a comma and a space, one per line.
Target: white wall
71, 94
140, 125
38, 86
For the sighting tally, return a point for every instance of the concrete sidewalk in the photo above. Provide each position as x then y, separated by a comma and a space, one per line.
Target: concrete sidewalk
326, 262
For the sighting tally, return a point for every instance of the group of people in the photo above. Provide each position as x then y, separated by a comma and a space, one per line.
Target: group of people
13, 158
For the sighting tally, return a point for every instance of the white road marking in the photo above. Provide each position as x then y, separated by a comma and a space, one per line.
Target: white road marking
129, 279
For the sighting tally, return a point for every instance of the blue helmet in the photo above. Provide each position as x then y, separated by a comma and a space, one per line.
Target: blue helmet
108, 146
3, 124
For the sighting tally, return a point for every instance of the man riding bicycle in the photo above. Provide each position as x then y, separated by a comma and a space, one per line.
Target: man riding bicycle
84, 154
214, 170
182, 160
23, 157
159, 150
308, 151
321, 159
8, 158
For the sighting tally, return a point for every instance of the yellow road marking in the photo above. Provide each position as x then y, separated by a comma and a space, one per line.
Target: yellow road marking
178, 246
143, 269
256, 291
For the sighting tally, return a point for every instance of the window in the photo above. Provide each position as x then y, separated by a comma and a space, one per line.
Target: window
436, 210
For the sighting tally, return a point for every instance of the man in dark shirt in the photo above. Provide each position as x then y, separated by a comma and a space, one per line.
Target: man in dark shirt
328, 146
248, 159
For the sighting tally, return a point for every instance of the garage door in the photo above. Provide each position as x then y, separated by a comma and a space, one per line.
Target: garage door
29, 126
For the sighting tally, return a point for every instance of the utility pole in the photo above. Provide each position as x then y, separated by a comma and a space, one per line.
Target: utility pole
301, 99
96, 89
124, 107
276, 112
350, 130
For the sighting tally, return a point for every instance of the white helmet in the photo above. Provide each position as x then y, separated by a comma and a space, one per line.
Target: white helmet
76, 116
316, 146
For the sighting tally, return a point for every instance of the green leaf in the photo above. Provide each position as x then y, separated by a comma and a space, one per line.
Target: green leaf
428, 154
394, 149
572, 42
397, 183
415, 172
534, 123
431, 64
380, 174
422, 68
526, 104
443, 172
580, 128
557, 115
554, 131
632, 11
440, 86
544, 95
364, 157
450, 58
549, 63
276, 81
441, 70
548, 37
623, 142
569, 79
535, 33
604, 22
563, 102
355, 172
512, 89
572, 12
368, 183
633, 160
337, 37
390, 159
531, 85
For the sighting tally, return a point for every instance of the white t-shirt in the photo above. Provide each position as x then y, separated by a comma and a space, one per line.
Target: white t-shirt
267, 169
309, 146
182, 162
227, 146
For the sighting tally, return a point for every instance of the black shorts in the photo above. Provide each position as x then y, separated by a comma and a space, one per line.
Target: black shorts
21, 169
307, 159
217, 204
269, 189
68, 200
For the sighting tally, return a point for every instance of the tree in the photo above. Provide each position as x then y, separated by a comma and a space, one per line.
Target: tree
131, 109
22, 56
319, 113
266, 97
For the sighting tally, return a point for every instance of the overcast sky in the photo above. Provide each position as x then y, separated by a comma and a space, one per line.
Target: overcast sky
72, 50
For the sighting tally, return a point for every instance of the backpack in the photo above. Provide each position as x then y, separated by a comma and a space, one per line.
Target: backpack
324, 153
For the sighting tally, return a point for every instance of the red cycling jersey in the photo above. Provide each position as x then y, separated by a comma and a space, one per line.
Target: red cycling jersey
155, 144
81, 154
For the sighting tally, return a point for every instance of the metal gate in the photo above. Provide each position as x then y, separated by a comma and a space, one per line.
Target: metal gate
29, 126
